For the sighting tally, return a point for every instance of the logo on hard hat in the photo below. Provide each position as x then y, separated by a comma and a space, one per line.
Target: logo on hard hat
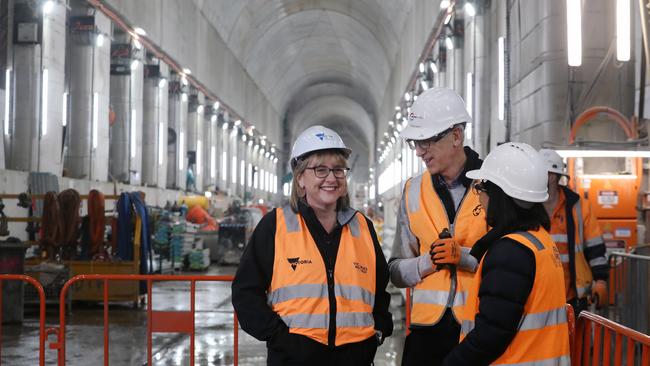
322, 136
413, 116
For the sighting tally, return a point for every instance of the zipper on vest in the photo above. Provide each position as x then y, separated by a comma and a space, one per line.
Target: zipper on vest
452, 269
452, 287
331, 335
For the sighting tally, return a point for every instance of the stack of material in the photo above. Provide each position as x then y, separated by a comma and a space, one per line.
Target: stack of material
161, 236
199, 259
181, 242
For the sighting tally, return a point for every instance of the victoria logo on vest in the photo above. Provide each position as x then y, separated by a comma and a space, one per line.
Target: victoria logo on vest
477, 210
294, 262
360, 267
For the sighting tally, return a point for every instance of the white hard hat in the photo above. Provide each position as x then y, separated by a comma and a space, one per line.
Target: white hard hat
517, 169
553, 160
435, 110
317, 138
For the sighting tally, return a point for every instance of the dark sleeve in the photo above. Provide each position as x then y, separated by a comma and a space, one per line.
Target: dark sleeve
508, 275
597, 254
252, 280
383, 318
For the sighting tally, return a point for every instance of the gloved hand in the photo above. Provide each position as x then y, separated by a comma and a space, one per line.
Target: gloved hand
599, 294
445, 251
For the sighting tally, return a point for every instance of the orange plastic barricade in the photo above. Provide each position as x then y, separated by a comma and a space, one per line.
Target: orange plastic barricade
157, 321
594, 338
408, 310
41, 312
571, 323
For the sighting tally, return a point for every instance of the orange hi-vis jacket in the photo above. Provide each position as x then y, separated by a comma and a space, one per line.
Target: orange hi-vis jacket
300, 287
587, 235
543, 334
427, 218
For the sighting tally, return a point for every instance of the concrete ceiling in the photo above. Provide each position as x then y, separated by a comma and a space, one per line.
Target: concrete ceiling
317, 61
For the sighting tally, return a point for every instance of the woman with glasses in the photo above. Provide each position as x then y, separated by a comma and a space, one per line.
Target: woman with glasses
312, 280
515, 312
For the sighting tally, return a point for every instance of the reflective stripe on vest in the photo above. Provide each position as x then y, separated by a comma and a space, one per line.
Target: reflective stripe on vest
530, 321
557, 361
542, 337
321, 321
427, 217
299, 291
320, 291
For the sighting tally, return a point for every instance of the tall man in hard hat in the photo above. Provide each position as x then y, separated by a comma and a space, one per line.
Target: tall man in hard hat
436, 204
578, 238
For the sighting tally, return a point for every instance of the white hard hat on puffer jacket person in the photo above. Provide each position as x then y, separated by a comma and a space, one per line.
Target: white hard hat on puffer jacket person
435, 110
554, 162
517, 169
317, 138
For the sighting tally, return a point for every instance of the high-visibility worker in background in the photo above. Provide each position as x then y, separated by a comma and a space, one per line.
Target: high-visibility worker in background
578, 238
312, 280
438, 221
515, 313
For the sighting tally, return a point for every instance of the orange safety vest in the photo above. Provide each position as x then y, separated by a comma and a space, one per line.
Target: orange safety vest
427, 218
299, 290
543, 334
585, 236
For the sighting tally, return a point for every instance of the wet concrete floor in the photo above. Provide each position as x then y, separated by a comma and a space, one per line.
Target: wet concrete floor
128, 332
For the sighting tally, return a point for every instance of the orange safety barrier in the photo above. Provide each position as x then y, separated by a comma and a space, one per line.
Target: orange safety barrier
41, 311
408, 310
157, 321
571, 323
593, 343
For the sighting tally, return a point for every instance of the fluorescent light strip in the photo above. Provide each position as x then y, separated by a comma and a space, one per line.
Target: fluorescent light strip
133, 132
604, 153
608, 176
224, 162
502, 80
181, 152
574, 32
242, 172
199, 157
64, 114
469, 90
7, 99
161, 142
233, 177
623, 30
95, 119
213, 161
44, 102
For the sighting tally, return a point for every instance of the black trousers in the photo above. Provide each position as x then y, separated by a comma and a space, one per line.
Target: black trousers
579, 305
430, 345
302, 351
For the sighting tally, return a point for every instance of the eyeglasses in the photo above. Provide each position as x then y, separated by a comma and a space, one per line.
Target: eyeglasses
481, 186
323, 171
424, 144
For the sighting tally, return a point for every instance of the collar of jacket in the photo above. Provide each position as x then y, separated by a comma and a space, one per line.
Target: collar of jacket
481, 246
571, 197
472, 162
342, 216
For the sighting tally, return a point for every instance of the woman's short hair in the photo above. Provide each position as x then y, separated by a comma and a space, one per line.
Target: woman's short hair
508, 216
314, 159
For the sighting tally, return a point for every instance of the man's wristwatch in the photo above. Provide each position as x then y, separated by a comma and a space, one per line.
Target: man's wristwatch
380, 338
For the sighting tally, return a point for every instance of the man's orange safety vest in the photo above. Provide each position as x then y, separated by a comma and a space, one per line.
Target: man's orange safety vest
427, 218
587, 234
299, 290
543, 334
